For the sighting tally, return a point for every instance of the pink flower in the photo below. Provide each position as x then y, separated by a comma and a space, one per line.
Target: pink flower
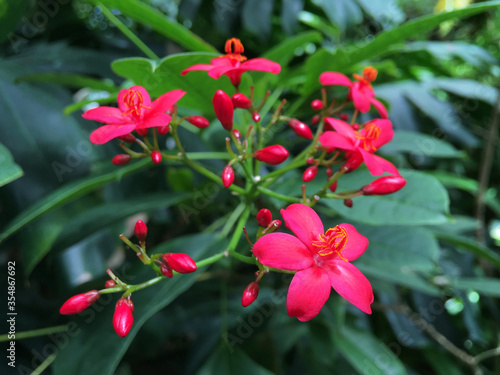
373, 135
233, 64
361, 90
135, 112
321, 259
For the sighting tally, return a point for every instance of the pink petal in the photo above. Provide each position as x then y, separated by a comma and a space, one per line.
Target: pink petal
308, 292
261, 65
161, 119
356, 243
166, 101
360, 99
380, 108
304, 222
334, 78
107, 115
377, 165
342, 127
108, 132
386, 132
196, 67
351, 284
330, 139
218, 71
225, 61
282, 251
146, 100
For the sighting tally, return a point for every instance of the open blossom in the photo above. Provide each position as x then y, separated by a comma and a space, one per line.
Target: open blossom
360, 91
135, 112
321, 259
373, 135
233, 64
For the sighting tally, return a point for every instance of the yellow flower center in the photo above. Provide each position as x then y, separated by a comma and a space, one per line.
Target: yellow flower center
234, 49
332, 242
369, 134
133, 100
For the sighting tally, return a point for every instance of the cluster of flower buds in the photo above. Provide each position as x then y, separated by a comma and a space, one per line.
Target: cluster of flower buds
266, 222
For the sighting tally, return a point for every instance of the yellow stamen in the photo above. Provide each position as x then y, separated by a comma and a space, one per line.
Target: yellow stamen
371, 132
234, 49
333, 241
133, 101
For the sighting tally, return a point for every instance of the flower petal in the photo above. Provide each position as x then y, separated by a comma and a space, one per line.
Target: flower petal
378, 165
146, 99
356, 243
332, 140
108, 132
334, 78
386, 132
166, 101
351, 284
308, 292
342, 127
262, 65
380, 108
107, 115
218, 71
360, 98
160, 119
304, 222
196, 67
283, 251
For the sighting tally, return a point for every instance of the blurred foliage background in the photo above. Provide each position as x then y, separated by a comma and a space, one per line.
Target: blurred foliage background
433, 257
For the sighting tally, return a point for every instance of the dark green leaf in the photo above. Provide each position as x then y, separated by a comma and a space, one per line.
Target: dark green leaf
9, 170
468, 88
482, 285
385, 12
421, 144
316, 22
342, 13
284, 52
256, 17
11, 12
70, 80
289, 15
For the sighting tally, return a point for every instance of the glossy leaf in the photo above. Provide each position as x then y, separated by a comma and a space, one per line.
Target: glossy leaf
70, 80
483, 285
9, 170
284, 52
256, 16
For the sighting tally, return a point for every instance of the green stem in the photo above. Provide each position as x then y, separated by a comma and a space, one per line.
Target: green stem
283, 197
232, 219
35, 333
45, 364
129, 34
208, 155
236, 238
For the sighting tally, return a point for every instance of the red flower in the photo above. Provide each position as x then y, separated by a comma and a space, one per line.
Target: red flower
364, 142
321, 259
135, 112
234, 64
360, 91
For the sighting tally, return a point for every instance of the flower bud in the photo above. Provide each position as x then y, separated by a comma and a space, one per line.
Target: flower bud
166, 270
333, 187
352, 163
140, 230
384, 185
156, 157
264, 217
344, 117
122, 318
355, 126
301, 129
129, 138
272, 155
78, 303
224, 109
310, 173
227, 176
241, 101
256, 117
315, 120
162, 130
109, 284
328, 127
317, 104
329, 172
348, 203
250, 294
198, 121
142, 132
237, 134
310, 160
180, 262
121, 159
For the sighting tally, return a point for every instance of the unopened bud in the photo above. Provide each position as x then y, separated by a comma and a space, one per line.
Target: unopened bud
329, 172
310, 173
227, 176
198, 121
333, 187
180, 262
142, 132
352, 163
241, 101
348, 203
315, 120
140, 230
156, 157
166, 270
264, 217
121, 159
129, 138
344, 117
224, 109
256, 117
78, 303
317, 104
109, 284
355, 126
272, 155
310, 160
250, 294
162, 130
123, 318
384, 185
237, 134
301, 129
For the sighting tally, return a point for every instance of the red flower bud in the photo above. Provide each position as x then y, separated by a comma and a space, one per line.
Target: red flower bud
348, 203
329, 172
301, 129
264, 217
109, 284
227, 176
310, 160
344, 117
317, 104
129, 138
121, 159
310, 173
140, 230
162, 130
384, 185
142, 132
352, 163
166, 270
122, 318
327, 126
272, 155
314, 120
198, 121
156, 157
333, 187
237, 134
180, 262
224, 109
78, 303
241, 101
256, 117
250, 294
355, 126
